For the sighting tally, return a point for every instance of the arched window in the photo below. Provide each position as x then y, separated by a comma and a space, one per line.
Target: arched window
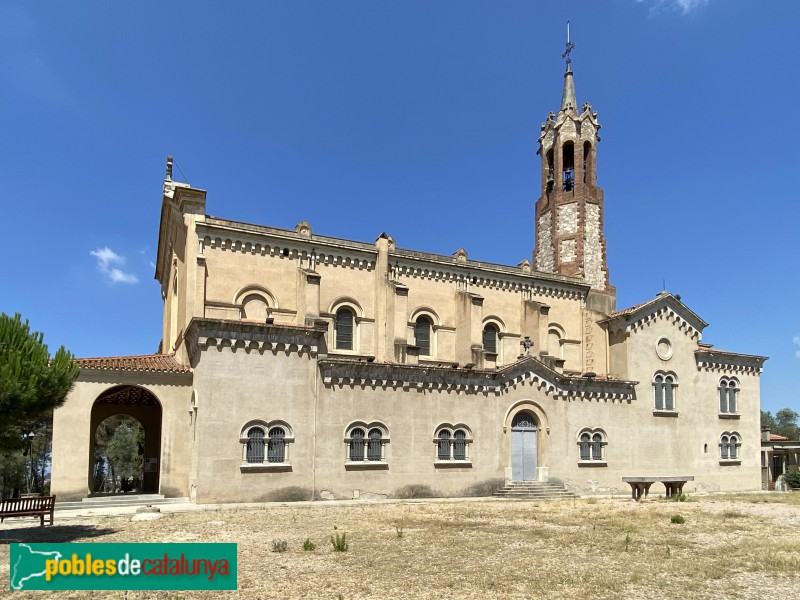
568, 163
591, 445
597, 447
255, 445
277, 445
727, 395
658, 385
460, 445
374, 448
345, 320
729, 446
452, 443
266, 444
357, 444
664, 388
366, 444
584, 445
490, 332
422, 334
444, 445
587, 163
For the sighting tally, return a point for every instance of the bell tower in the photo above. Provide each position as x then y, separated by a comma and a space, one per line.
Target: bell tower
569, 212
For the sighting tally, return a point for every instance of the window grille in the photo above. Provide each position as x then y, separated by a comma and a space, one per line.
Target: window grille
444, 445
255, 445
585, 446
344, 329
357, 445
374, 446
460, 445
724, 447
597, 447
422, 333
276, 449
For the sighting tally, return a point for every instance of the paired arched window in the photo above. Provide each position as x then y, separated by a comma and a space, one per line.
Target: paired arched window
423, 334
728, 389
366, 443
591, 445
490, 335
266, 443
729, 446
344, 328
664, 388
452, 443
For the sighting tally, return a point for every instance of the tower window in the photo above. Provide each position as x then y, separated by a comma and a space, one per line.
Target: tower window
588, 176
568, 162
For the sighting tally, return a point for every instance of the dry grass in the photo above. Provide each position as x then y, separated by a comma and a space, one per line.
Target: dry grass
729, 547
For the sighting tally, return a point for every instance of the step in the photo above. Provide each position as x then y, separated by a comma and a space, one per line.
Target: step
119, 502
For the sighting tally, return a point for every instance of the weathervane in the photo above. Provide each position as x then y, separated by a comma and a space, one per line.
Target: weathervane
570, 47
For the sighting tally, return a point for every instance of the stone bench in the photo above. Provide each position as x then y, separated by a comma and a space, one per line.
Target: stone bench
641, 485
37, 506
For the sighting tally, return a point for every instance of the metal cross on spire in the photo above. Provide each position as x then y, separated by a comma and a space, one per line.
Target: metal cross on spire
570, 47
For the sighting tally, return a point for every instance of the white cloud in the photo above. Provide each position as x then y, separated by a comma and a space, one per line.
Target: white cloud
106, 261
684, 6
796, 340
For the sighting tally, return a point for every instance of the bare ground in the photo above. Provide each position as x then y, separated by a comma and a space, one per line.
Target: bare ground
729, 547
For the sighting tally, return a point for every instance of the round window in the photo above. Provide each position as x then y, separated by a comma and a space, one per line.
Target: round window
664, 349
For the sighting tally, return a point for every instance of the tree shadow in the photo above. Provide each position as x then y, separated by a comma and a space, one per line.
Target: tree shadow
53, 534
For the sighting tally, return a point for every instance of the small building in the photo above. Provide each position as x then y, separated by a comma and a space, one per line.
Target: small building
779, 455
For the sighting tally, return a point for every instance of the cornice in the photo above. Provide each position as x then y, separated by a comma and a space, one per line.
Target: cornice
219, 234
473, 274
528, 371
222, 334
709, 359
664, 307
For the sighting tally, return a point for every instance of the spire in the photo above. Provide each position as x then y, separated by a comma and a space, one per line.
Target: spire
568, 95
568, 100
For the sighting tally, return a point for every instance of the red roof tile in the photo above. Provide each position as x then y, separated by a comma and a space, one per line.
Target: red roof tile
162, 363
774, 437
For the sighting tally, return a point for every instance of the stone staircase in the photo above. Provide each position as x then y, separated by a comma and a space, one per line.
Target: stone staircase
118, 501
537, 490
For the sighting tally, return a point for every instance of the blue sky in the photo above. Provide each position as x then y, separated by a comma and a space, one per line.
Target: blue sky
405, 117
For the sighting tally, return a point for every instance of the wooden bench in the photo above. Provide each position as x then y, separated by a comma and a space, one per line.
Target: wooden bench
37, 506
641, 485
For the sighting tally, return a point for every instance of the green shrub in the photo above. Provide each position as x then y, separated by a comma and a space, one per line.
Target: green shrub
279, 545
308, 545
793, 479
677, 519
339, 543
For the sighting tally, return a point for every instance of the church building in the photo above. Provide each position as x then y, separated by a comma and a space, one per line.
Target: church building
295, 364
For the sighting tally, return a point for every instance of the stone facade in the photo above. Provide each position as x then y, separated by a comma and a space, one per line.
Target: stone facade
300, 365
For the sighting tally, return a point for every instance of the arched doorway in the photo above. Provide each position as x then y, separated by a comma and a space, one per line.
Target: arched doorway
119, 455
142, 405
524, 451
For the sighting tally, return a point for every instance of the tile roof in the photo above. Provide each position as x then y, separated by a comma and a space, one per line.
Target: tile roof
160, 363
631, 309
774, 437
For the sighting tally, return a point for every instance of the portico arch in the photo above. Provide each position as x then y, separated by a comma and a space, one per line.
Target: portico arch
141, 404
